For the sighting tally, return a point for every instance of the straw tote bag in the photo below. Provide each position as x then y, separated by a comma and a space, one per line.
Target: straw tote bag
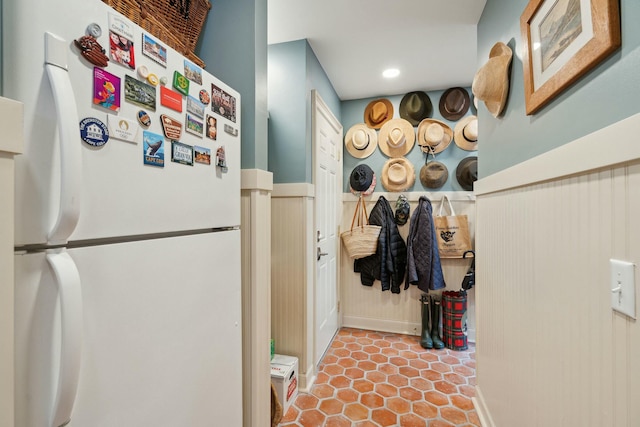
452, 232
362, 239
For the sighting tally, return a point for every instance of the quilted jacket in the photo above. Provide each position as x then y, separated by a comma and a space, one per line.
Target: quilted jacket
423, 259
388, 264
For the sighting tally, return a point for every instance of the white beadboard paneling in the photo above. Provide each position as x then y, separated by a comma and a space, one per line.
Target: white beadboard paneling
550, 350
256, 296
369, 307
292, 278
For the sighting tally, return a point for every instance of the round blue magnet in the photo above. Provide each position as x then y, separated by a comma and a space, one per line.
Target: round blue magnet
94, 132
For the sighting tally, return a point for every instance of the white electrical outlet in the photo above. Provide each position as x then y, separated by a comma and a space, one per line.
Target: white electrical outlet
623, 287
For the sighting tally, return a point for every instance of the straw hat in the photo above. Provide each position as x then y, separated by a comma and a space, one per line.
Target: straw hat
362, 180
466, 133
434, 174
415, 106
396, 138
454, 103
467, 172
435, 134
398, 174
361, 141
491, 82
378, 112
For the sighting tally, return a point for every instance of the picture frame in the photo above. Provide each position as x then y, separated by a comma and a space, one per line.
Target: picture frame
562, 40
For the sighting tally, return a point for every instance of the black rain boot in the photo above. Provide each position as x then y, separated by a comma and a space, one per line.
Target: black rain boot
425, 339
435, 323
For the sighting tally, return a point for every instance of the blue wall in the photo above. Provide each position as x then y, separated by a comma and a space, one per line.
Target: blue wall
233, 44
294, 71
353, 113
607, 94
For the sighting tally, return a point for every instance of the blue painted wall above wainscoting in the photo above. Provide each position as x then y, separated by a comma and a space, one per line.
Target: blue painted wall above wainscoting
293, 72
606, 94
353, 113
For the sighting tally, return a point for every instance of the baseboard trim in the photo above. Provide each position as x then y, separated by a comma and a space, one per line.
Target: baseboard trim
381, 325
482, 410
307, 380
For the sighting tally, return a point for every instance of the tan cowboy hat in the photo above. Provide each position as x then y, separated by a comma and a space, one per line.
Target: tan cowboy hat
378, 112
454, 103
435, 134
361, 141
396, 138
465, 133
491, 82
415, 106
398, 174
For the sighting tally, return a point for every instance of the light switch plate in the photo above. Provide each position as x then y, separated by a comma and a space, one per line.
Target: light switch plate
623, 287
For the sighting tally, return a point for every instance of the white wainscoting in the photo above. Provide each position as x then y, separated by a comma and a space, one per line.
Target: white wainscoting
550, 350
370, 308
292, 276
256, 296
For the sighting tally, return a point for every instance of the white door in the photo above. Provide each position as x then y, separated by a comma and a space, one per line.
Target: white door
327, 171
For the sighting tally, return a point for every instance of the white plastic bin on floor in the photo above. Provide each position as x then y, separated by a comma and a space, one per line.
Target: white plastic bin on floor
284, 375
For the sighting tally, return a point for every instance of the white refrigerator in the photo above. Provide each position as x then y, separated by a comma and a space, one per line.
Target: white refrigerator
127, 238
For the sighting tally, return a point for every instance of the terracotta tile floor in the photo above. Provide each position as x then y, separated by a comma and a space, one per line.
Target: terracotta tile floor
380, 379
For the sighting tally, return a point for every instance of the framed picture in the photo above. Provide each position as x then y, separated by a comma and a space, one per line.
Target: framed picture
563, 39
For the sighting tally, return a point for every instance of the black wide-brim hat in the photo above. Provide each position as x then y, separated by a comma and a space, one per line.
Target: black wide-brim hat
467, 172
361, 178
454, 103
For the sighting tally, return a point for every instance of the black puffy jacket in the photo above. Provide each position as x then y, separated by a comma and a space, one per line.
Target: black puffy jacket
389, 262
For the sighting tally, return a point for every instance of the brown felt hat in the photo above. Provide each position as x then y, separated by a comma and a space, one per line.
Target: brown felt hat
434, 174
416, 106
465, 133
454, 103
396, 138
491, 82
435, 134
361, 141
398, 174
378, 112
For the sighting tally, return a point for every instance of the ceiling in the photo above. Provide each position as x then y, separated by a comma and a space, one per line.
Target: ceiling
432, 42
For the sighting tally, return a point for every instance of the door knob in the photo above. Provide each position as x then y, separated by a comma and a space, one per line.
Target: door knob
321, 254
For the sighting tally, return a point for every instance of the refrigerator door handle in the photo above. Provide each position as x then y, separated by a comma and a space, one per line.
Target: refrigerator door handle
69, 288
56, 63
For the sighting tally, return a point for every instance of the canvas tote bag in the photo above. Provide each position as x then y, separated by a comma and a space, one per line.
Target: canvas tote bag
452, 232
362, 239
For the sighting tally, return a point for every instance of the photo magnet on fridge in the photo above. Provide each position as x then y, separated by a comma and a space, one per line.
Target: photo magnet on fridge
202, 155
212, 127
154, 50
192, 72
223, 103
194, 125
121, 41
139, 93
106, 89
195, 107
153, 149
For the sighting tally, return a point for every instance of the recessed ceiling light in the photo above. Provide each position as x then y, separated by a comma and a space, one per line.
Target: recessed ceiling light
391, 73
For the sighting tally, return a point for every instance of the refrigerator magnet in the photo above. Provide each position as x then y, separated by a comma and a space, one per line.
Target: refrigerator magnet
204, 97
94, 132
171, 127
143, 118
92, 51
192, 72
139, 93
93, 30
122, 129
121, 50
195, 107
154, 50
181, 153
212, 127
221, 160
153, 149
223, 103
106, 89
202, 155
180, 83
170, 99
194, 126
230, 130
